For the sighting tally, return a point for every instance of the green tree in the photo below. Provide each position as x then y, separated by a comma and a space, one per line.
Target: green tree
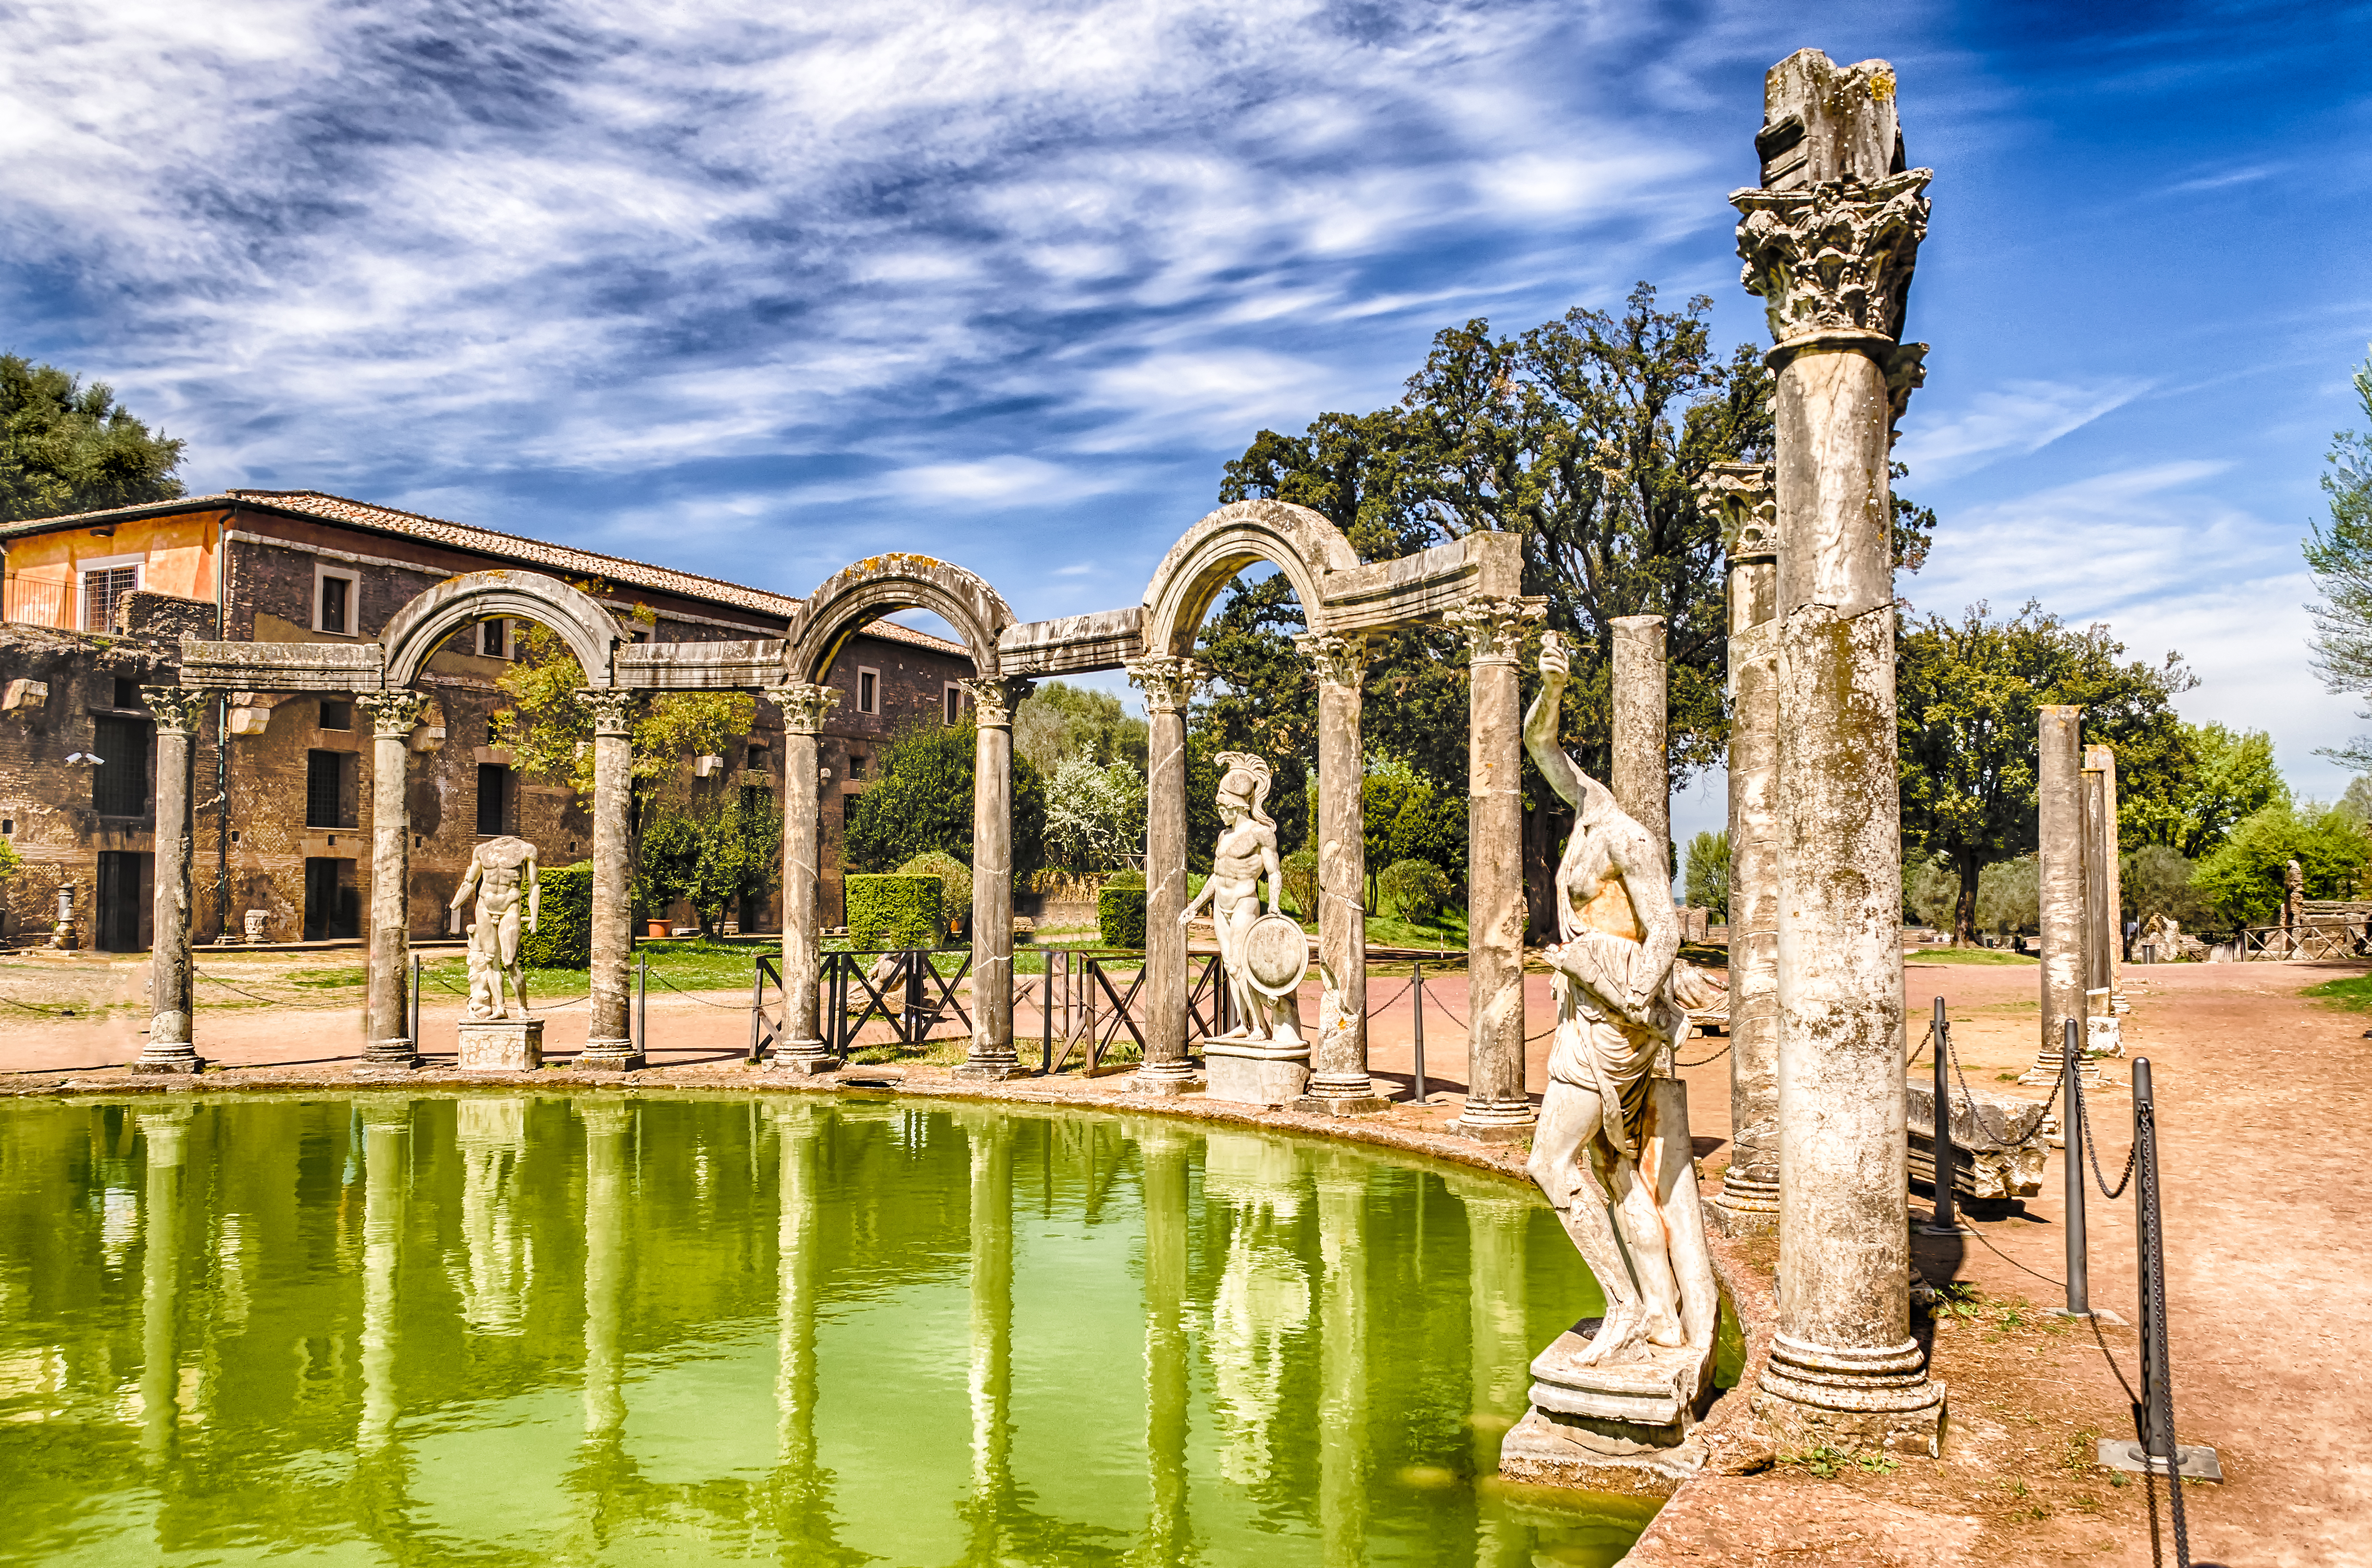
2157, 879
2220, 776
1094, 814
550, 733
1707, 883
66, 447
709, 851
1967, 693
2245, 879
1058, 722
2339, 555
1408, 817
922, 801
1263, 700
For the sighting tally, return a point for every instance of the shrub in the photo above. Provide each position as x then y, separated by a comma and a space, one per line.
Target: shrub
893, 911
1418, 889
922, 800
955, 882
563, 937
1126, 879
1300, 874
1119, 911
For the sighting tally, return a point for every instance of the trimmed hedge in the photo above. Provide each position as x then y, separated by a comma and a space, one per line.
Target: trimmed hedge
893, 909
1119, 911
1298, 872
1416, 890
563, 937
955, 882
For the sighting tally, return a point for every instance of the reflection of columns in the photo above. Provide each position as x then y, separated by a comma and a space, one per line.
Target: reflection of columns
1741, 494
1642, 777
1163, 1150
992, 1330
609, 1041
165, 1132
992, 702
387, 1160
170, 1048
491, 1136
1169, 685
1499, 1342
388, 1042
795, 1228
804, 706
1263, 1301
1830, 243
1498, 1109
1338, 1060
2059, 875
2102, 761
1342, 1360
605, 1266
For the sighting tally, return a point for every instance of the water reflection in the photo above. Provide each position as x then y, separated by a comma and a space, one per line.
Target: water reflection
522, 1329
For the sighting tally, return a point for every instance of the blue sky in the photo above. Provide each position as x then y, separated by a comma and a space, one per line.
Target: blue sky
756, 290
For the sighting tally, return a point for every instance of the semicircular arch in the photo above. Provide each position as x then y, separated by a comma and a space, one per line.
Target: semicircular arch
420, 627
1301, 542
864, 591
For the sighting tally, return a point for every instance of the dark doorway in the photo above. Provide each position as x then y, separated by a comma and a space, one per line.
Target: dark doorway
117, 921
332, 908
494, 814
118, 783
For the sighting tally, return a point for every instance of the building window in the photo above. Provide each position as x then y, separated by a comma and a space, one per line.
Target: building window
955, 702
325, 789
494, 638
127, 691
335, 593
493, 799
758, 757
868, 691
104, 583
856, 765
336, 714
119, 784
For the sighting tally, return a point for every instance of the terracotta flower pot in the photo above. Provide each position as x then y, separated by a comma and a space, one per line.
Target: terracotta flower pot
655, 927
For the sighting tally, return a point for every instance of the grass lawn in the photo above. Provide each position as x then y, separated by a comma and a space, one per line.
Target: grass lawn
2353, 996
1970, 956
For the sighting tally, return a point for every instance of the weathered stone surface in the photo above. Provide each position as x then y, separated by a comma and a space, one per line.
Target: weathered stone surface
991, 1054
1642, 780
1262, 957
1248, 1073
1107, 639
1338, 1079
2059, 856
700, 666
169, 1047
860, 592
1984, 1166
1169, 685
2102, 760
804, 707
608, 1030
501, 1045
1432, 583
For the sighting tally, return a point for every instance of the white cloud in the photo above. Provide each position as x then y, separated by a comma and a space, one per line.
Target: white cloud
2011, 420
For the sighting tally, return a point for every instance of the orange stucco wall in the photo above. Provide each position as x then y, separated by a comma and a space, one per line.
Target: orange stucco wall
177, 551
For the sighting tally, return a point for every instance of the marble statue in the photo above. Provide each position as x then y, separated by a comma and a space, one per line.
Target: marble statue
1245, 854
503, 875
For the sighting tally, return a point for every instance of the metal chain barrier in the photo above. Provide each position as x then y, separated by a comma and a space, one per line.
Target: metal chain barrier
1978, 1111
2131, 1155
2157, 1389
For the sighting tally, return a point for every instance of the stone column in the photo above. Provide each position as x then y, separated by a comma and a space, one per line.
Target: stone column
1830, 240
165, 1132
1339, 1084
1168, 686
2059, 866
1743, 496
2099, 920
610, 1045
992, 1057
2102, 760
387, 1042
1643, 780
1497, 1110
169, 1047
800, 1048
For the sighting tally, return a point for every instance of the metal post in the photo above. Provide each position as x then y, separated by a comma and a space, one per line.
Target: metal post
643, 1003
2079, 1287
415, 1003
1416, 984
916, 959
1046, 1017
757, 1000
1947, 1221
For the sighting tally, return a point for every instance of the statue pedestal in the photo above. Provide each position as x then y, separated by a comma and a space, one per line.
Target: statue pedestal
501, 1045
1638, 1414
1252, 1073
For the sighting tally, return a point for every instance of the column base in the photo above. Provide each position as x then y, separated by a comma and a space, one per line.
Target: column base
608, 1056
1746, 1205
1341, 1093
802, 1058
1858, 1399
992, 1069
185, 1062
1169, 1078
383, 1058
1509, 1122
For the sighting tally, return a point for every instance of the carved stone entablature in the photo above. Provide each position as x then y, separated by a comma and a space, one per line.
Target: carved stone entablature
394, 713
1833, 259
1496, 629
804, 706
1744, 497
994, 700
1340, 662
1167, 682
175, 708
612, 708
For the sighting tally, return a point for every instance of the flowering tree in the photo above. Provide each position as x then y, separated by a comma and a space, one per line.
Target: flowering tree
1094, 814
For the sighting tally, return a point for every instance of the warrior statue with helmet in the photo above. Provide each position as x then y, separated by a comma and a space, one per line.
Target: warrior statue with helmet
1246, 853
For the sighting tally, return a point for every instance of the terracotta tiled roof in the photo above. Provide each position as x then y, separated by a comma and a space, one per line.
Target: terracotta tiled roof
614, 569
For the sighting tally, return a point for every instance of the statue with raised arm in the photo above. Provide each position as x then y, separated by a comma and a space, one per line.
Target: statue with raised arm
503, 875
1258, 964
1611, 1151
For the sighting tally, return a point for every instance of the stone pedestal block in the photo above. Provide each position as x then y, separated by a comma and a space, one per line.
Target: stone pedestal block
1319, 1103
501, 1045
804, 1059
1639, 1415
992, 1070
1253, 1075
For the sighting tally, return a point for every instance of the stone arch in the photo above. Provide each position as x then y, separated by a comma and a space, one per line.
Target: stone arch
866, 590
1302, 544
420, 627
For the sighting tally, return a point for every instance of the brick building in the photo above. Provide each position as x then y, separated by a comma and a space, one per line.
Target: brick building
93, 606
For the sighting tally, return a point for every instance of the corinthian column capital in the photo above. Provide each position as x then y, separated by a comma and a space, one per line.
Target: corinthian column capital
804, 704
1496, 629
1341, 661
175, 708
1744, 498
393, 713
612, 708
1167, 682
1833, 259
993, 697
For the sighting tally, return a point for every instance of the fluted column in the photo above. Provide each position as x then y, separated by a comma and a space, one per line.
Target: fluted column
1497, 1110
805, 706
388, 1042
387, 1161
1338, 1084
1642, 776
610, 1044
1830, 240
165, 1132
1168, 686
2059, 875
992, 1056
1743, 495
170, 1048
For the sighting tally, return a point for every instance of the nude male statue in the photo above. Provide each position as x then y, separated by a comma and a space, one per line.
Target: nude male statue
1616, 1012
1246, 853
502, 874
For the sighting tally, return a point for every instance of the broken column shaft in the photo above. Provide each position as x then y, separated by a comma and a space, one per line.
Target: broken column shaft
2059, 866
1641, 773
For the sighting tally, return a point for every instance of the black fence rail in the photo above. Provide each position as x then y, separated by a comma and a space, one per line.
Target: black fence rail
897, 986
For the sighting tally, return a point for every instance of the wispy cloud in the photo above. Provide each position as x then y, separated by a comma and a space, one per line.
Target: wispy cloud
2011, 420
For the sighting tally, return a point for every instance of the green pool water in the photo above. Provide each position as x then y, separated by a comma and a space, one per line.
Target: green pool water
619, 1329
